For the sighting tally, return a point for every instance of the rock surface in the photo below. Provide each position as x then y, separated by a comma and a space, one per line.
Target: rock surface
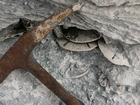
104, 83
116, 19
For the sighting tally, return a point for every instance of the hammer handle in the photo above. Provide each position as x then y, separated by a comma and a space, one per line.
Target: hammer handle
42, 75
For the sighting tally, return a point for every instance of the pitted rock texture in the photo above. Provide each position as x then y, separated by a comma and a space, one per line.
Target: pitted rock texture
105, 83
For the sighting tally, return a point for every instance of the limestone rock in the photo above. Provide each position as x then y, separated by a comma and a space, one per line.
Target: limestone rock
116, 19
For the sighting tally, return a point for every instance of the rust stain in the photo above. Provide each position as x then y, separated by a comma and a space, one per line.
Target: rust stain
43, 24
63, 15
51, 18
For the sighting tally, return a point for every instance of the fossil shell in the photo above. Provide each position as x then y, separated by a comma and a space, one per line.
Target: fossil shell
80, 36
113, 54
66, 44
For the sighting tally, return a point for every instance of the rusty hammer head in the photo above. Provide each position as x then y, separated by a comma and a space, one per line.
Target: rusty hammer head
18, 56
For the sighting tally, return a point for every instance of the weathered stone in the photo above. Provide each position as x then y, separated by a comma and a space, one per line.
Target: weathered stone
118, 20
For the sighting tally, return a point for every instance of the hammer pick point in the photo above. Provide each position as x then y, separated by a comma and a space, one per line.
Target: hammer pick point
77, 6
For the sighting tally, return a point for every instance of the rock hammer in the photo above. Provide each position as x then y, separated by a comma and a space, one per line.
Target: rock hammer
18, 56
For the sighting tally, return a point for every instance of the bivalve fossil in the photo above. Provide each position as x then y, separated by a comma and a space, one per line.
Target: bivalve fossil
113, 54
80, 36
66, 44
